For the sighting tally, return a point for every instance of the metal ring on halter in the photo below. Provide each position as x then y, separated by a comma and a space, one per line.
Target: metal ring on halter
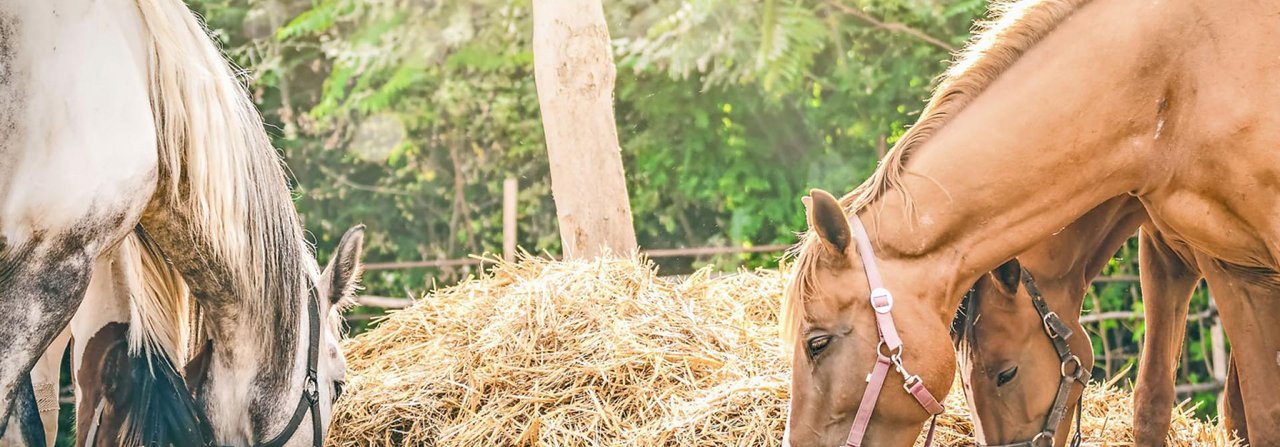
1042, 437
891, 354
1047, 327
310, 389
1079, 369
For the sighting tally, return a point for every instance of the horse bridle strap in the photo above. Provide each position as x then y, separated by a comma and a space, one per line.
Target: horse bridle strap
310, 400
888, 351
1070, 367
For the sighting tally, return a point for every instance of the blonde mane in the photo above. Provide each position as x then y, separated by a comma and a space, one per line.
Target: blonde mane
217, 168
1014, 27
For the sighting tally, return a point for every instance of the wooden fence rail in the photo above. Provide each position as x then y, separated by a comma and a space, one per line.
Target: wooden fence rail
655, 253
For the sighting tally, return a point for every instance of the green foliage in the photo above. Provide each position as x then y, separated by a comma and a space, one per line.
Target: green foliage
406, 115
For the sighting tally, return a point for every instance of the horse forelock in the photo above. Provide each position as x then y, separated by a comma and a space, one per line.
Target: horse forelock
1014, 27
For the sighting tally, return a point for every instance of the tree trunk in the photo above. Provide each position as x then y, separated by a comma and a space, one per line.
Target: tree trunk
574, 72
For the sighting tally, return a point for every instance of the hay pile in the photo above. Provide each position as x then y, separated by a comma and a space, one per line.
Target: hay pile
603, 353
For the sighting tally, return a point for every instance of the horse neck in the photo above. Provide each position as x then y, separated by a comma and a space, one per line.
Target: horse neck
1065, 264
1062, 130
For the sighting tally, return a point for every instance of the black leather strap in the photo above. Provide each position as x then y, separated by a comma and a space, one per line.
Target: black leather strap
310, 400
1058, 333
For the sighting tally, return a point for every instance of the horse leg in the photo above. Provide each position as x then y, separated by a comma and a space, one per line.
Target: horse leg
100, 324
1248, 304
28, 429
44, 380
1167, 282
41, 284
1233, 404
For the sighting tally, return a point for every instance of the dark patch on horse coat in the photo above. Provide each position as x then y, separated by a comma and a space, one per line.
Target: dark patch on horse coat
145, 400
12, 96
9, 26
49, 276
110, 341
27, 412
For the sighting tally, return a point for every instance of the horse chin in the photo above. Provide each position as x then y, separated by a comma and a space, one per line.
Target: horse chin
899, 435
804, 437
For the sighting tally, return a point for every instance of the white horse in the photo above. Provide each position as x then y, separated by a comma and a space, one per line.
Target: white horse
44, 380
122, 120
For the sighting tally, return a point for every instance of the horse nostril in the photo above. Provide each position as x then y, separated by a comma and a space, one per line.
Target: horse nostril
1006, 376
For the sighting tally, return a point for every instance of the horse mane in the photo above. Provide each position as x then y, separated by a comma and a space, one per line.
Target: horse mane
1014, 27
157, 298
218, 168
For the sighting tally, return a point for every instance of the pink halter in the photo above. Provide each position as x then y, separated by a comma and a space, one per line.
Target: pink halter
888, 351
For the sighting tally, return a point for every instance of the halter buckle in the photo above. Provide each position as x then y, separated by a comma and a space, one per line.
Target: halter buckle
881, 300
1042, 438
1048, 328
1054, 326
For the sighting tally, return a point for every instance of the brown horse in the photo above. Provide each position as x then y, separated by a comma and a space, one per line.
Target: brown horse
1059, 107
1010, 369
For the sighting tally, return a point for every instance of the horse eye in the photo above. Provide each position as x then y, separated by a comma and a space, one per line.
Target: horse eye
815, 345
337, 389
1006, 376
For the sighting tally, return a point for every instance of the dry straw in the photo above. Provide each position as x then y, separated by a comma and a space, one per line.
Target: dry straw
605, 353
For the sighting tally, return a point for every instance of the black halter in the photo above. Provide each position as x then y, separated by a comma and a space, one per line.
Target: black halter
309, 402
1071, 368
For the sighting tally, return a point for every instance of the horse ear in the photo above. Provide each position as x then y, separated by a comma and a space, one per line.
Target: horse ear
1008, 275
827, 218
345, 268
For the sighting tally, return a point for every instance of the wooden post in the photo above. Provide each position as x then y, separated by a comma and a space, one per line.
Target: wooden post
574, 74
509, 191
882, 147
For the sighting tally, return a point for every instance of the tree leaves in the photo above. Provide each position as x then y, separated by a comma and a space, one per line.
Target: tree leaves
725, 110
